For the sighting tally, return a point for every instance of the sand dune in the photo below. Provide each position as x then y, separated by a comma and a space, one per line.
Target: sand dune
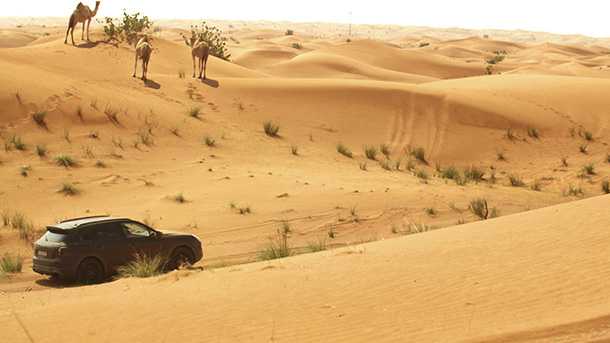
527, 277
531, 275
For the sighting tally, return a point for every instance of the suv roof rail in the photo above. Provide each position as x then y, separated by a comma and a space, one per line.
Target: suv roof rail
81, 218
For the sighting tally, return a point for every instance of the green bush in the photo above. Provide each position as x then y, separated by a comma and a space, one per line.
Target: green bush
143, 266
126, 28
215, 39
277, 247
11, 264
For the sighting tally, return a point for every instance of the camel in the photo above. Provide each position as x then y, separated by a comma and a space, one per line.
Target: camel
143, 52
201, 51
81, 14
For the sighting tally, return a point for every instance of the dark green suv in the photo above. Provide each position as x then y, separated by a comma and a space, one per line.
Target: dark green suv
92, 248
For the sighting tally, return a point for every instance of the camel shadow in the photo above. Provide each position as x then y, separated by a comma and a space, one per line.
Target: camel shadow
211, 82
151, 84
88, 45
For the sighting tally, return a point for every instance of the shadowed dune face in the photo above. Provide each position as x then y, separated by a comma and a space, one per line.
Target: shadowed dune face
372, 133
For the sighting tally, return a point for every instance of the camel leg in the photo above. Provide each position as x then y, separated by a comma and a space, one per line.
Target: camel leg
135, 67
67, 33
88, 23
82, 37
205, 68
144, 69
72, 35
200, 68
194, 68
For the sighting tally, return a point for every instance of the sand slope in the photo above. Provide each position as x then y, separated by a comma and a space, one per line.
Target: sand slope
529, 277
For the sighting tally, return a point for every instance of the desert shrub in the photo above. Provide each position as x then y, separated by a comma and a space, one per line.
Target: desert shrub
271, 129
419, 154
450, 173
385, 150
126, 28
11, 264
65, 161
606, 186
533, 133
424, 44
100, 164
536, 186
209, 141
289, 32
23, 225
501, 156
69, 189
25, 170
363, 166
143, 266
516, 181
41, 151
422, 174
584, 149
589, 169
243, 210
588, 135
480, 208
195, 112
215, 39
297, 46
179, 198
473, 174
6, 217
317, 246
345, 151
510, 134
145, 137
574, 191
386, 164
431, 211
564, 162
112, 114
39, 118
278, 246
608, 158
294, 150
498, 57
370, 152
18, 143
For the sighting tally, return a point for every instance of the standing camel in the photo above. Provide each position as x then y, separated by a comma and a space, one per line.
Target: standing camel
143, 52
201, 51
81, 14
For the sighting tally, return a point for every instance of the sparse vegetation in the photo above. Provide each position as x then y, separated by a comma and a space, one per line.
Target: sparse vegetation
363, 166
431, 211
175, 131
289, 32
80, 114
18, 143
501, 156
195, 112
243, 210
127, 28
450, 173
564, 162
69, 189
588, 135
510, 134
18, 221
278, 246
215, 39
11, 264
419, 154
100, 164
112, 114
66, 136
179, 198
143, 266
386, 164
422, 174
297, 46
345, 151
608, 158
294, 150
536, 186
41, 151
65, 161
480, 208
574, 191
94, 135
181, 74
25, 170
584, 149
271, 129
474, 174
516, 181
385, 150
606, 187
317, 246
209, 141
39, 118
370, 152
533, 133
589, 169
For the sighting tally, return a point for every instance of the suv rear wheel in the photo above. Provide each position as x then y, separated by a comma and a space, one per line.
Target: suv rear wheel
89, 272
180, 257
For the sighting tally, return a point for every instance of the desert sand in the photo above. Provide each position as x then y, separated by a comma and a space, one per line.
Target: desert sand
537, 273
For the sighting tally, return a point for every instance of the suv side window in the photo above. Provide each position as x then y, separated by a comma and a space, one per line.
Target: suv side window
135, 230
103, 232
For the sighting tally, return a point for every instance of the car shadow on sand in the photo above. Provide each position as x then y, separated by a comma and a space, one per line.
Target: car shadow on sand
57, 283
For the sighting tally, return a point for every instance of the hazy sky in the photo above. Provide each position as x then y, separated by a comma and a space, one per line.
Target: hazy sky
560, 16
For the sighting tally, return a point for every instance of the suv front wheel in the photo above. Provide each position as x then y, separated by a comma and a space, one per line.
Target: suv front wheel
180, 257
